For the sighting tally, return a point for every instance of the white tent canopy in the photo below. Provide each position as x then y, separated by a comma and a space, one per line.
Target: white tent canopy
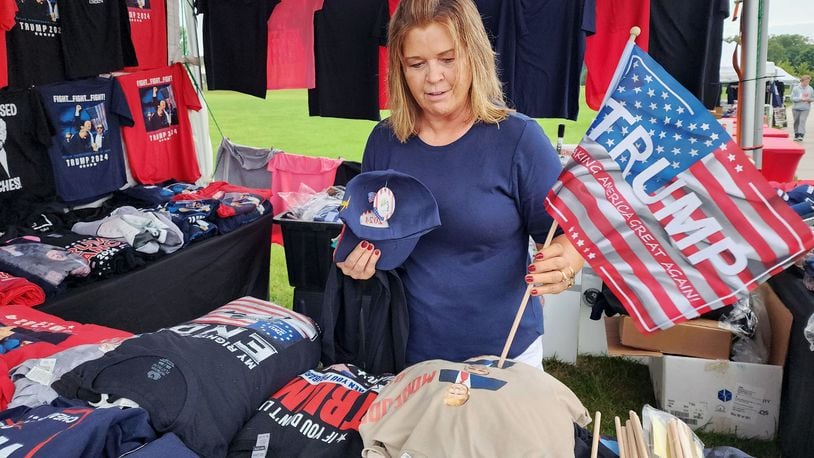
773, 71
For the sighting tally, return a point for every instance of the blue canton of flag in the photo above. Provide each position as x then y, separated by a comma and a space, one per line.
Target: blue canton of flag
278, 330
673, 125
665, 207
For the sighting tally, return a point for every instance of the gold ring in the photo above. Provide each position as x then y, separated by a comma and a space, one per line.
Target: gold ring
564, 277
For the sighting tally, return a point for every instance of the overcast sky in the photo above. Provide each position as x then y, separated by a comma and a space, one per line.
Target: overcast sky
785, 17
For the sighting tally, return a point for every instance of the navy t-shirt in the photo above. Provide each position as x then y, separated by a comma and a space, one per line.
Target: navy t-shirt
72, 429
77, 109
464, 280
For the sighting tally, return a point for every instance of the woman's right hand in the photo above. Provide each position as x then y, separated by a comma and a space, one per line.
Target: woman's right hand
361, 262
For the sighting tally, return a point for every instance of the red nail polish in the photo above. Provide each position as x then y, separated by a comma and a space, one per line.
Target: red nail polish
364, 244
538, 256
532, 268
529, 279
370, 247
377, 252
534, 292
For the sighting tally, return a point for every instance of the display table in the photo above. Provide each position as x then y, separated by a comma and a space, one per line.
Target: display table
780, 158
179, 287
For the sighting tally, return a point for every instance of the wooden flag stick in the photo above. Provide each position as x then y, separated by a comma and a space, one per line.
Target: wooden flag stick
684, 439
637, 428
522, 307
630, 446
620, 437
595, 438
635, 31
673, 442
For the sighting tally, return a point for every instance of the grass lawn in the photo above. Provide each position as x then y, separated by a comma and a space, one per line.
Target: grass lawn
610, 385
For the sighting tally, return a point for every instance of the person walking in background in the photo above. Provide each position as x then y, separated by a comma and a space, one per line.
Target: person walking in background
801, 96
488, 167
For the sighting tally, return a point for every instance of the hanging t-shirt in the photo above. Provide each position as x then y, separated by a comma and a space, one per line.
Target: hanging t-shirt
86, 150
30, 334
548, 62
290, 63
25, 135
159, 145
203, 379
35, 44
328, 404
148, 29
235, 39
8, 9
96, 37
347, 35
602, 50
384, 96
685, 38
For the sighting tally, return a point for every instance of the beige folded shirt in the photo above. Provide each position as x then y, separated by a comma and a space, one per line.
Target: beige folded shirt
515, 411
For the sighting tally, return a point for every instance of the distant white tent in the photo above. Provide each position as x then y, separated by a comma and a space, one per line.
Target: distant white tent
773, 71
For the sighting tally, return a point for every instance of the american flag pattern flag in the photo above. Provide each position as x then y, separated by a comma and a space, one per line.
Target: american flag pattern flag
665, 207
247, 312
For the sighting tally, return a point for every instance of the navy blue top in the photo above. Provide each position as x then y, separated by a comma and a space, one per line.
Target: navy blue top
464, 280
83, 174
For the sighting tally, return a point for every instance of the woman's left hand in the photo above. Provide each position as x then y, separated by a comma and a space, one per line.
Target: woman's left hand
553, 268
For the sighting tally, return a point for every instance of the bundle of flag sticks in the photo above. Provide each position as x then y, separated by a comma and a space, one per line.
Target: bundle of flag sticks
630, 437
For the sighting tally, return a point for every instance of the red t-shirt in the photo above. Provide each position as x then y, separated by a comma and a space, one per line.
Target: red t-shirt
290, 62
26, 334
159, 145
148, 29
8, 8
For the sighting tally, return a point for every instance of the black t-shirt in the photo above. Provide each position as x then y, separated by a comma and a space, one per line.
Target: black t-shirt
204, 379
104, 255
25, 134
685, 38
96, 37
315, 414
235, 35
83, 170
34, 44
347, 35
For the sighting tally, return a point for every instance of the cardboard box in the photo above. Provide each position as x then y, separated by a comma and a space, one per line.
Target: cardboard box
700, 338
720, 396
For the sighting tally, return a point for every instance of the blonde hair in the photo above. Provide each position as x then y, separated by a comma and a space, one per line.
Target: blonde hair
472, 48
805, 78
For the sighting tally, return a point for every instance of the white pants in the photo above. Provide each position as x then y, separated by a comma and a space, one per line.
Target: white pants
533, 355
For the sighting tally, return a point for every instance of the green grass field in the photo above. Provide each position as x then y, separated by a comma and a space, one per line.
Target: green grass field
611, 385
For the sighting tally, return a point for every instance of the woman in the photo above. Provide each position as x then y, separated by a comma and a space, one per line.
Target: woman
489, 170
801, 96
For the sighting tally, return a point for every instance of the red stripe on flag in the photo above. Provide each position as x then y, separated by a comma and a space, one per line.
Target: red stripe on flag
621, 247
621, 289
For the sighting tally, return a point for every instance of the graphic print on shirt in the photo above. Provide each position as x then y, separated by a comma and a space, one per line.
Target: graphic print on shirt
41, 17
159, 108
9, 181
83, 130
139, 10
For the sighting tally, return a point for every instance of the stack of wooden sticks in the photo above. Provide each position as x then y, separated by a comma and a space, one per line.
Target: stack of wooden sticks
678, 443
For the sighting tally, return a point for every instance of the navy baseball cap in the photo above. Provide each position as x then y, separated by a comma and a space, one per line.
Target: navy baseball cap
390, 209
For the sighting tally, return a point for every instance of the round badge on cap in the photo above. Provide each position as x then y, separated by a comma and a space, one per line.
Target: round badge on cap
384, 204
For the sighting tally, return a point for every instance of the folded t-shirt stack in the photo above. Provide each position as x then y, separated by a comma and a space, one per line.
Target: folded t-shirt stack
147, 232
19, 291
203, 379
45, 265
315, 414
26, 333
104, 255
